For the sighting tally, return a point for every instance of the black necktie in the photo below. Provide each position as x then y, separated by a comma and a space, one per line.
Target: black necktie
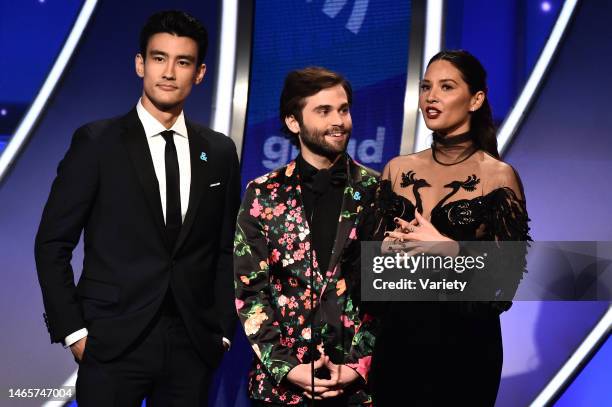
173, 189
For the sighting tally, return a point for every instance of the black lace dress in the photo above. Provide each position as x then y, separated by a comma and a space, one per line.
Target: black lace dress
446, 353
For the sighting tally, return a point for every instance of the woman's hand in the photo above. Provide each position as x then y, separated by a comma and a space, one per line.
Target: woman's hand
419, 236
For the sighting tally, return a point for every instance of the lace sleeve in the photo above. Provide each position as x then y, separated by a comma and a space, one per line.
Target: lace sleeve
507, 221
507, 216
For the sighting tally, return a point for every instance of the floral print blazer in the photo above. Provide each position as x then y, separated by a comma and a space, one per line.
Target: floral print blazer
273, 262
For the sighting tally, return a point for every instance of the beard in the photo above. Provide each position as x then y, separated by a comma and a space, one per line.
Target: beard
314, 140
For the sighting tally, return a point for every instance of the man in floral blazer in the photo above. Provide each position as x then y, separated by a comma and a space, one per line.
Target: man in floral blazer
297, 256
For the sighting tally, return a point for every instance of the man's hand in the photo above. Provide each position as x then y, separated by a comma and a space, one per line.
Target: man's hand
301, 376
78, 348
342, 376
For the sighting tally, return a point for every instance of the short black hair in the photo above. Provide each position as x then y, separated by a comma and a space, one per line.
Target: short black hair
177, 23
302, 83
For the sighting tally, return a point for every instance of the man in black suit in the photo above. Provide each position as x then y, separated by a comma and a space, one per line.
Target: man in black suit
156, 197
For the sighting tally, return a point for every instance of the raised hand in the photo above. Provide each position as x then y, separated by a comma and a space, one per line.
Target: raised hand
420, 236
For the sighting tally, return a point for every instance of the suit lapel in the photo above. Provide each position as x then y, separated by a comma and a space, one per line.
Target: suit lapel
292, 179
201, 171
136, 144
349, 212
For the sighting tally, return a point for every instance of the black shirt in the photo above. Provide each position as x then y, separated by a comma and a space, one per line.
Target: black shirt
322, 193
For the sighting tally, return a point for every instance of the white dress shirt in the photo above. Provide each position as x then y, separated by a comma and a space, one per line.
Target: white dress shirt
157, 145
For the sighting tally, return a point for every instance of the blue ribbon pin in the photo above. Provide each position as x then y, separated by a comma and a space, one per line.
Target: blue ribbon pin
203, 156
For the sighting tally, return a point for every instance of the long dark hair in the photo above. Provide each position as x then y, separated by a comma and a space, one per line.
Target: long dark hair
473, 73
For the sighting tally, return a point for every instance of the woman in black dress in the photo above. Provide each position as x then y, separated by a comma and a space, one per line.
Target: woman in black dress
447, 353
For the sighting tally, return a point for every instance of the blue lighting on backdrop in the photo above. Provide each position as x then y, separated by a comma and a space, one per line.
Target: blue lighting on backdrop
506, 35
592, 386
367, 41
32, 34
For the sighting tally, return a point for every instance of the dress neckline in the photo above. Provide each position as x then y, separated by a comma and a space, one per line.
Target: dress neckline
460, 146
442, 202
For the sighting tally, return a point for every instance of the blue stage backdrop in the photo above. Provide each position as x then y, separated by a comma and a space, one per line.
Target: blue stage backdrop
26, 60
592, 386
506, 35
366, 41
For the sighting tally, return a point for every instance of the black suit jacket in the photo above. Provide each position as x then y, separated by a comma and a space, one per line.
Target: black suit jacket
106, 186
